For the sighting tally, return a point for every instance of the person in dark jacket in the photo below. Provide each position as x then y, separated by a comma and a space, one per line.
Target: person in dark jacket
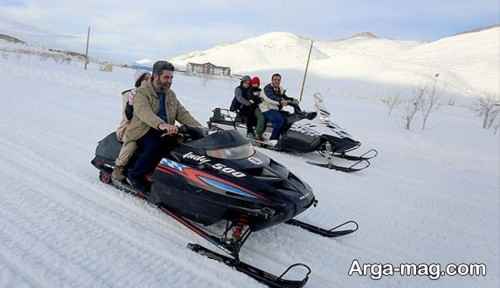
247, 105
274, 91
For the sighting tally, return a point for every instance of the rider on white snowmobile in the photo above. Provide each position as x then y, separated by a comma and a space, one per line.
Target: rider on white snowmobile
245, 105
273, 100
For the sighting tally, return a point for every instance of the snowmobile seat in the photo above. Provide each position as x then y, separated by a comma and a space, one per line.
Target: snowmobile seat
109, 147
225, 116
343, 145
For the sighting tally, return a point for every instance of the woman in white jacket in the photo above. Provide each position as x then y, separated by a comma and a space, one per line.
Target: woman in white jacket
129, 148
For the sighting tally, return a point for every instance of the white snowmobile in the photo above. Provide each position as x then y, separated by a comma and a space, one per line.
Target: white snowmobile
305, 135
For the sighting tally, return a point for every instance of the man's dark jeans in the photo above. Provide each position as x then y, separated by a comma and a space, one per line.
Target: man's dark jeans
152, 147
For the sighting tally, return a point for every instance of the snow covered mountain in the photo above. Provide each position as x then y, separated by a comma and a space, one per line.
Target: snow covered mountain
472, 58
468, 63
277, 49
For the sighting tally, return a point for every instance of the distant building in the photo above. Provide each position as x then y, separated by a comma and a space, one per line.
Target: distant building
107, 67
142, 67
208, 68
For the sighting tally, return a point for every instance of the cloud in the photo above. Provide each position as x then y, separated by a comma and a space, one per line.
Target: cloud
163, 28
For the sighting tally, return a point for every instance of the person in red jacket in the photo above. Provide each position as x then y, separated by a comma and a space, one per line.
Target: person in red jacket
255, 96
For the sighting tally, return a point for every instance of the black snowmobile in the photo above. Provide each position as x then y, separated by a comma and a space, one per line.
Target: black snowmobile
305, 134
221, 180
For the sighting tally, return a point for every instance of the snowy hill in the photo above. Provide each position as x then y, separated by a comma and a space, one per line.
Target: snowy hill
8, 38
430, 197
276, 49
473, 58
17, 29
17, 49
31, 34
468, 63
13, 47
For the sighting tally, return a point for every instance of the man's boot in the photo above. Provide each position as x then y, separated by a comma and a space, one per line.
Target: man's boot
117, 174
311, 115
139, 185
251, 135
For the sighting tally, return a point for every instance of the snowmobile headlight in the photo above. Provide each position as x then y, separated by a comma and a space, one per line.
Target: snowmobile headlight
238, 152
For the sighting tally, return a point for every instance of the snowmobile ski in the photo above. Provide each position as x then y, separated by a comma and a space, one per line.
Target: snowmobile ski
357, 166
331, 233
264, 277
372, 153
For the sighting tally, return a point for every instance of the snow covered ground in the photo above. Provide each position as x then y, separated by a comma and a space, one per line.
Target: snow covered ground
431, 196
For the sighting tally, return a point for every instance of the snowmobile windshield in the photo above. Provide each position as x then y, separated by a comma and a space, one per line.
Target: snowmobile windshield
219, 140
238, 152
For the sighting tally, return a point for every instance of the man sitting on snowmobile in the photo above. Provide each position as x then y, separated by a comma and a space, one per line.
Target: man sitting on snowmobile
272, 102
156, 109
274, 90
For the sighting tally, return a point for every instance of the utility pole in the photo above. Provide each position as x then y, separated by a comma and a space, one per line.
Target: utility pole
305, 72
87, 49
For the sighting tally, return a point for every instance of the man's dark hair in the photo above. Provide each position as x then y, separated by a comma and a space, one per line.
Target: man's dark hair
161, 65
276, 74
139, 81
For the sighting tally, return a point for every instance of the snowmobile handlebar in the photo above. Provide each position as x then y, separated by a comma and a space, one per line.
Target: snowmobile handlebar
193, 133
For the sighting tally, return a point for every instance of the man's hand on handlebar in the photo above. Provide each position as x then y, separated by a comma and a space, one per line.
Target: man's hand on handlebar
168, 129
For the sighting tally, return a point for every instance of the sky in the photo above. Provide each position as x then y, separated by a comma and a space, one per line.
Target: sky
130, 30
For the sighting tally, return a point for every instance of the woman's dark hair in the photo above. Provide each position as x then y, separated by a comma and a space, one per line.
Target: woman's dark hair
139, 81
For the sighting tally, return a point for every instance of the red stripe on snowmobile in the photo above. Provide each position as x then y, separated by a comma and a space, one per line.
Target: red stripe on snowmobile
193, 176
165, 170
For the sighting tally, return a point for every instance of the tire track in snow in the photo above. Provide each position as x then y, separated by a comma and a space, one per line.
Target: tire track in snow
274, 261
105, 213
85, 232
35, 259
10, 276
278, 242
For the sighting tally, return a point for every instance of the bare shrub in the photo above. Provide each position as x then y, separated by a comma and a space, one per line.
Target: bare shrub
487, 107
429, 102
391, 102
412, 105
